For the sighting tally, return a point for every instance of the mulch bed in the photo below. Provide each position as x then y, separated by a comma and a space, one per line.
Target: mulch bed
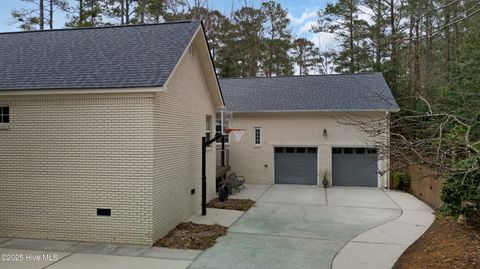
232, 204
189, 235
446, 244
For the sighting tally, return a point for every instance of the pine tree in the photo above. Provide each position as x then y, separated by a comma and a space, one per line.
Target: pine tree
122, 11
34, 18
87, 13
248, 27
342, 19
376, 32
277, 40
305, 55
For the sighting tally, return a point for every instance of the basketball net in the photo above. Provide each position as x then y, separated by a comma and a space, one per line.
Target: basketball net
238, 133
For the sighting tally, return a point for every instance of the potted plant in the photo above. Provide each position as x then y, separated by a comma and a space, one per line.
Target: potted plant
325, 178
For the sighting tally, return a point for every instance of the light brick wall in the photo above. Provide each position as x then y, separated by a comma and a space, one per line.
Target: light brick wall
179, 125
256, 163
62, 158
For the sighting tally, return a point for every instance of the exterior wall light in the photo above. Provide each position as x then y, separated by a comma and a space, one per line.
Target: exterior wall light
325, 132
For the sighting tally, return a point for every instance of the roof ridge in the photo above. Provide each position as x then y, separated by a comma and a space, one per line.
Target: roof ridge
318, 75
98, 27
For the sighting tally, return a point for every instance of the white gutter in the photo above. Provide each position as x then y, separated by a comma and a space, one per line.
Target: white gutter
82, 91
325, 110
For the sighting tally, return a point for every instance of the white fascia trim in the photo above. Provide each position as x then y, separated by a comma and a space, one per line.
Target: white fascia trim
309, 111
82, 91
185, 51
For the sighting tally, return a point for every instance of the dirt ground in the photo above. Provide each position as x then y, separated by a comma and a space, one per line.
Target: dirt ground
188, 235
446, 244
232, 204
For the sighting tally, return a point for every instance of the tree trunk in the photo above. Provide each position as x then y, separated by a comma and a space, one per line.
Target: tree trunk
80, 12
122, 12
50, 21
92, 15
448, 57
142, 11
127, 12
411, 45
393, 44
352, 53
270, 64
429, 49
416, 63
42, 16
351, 41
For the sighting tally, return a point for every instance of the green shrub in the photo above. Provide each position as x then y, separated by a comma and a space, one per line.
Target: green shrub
461, 193
400, 181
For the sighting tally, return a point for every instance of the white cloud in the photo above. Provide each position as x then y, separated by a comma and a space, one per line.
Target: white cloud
324, 41
308, 14
302, 27
307, 27
366, 14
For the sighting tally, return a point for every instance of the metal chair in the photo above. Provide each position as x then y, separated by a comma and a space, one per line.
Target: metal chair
235, 182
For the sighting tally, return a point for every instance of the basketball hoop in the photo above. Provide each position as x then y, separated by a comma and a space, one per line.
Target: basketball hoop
236, 132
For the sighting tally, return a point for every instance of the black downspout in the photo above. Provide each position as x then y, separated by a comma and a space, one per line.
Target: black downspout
205, 144
204, 176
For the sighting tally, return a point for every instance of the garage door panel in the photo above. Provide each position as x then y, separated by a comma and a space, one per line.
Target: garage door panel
295, 166
354, 167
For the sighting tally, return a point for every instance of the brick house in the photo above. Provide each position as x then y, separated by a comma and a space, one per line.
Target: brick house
100, 128
299, 129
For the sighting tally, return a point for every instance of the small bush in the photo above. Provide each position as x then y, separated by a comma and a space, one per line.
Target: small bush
400, 181
461, 194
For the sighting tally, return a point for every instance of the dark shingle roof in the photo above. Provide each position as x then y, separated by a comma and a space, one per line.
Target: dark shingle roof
367, 91
104, 57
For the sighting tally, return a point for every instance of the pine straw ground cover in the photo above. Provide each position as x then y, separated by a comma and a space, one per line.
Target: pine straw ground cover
446, 244
189, 235
232, 204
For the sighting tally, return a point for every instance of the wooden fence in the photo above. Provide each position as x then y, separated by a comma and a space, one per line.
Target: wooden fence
426, 185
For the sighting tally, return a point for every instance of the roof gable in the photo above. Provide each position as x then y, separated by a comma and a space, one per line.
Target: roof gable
345, 92
93, 58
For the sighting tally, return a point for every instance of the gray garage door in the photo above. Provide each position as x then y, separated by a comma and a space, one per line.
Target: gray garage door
354, 167
296, 165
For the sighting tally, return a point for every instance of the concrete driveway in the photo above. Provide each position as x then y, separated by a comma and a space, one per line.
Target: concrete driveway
291, 226
299, 227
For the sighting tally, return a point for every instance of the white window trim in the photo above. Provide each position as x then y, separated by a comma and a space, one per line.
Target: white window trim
227, 135
259, 136
208, 127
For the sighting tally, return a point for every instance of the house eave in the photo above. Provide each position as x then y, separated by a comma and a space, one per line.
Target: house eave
81, 91
316, 111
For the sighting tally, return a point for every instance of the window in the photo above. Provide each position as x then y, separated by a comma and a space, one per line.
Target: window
312, 150
348, 151
300, 150
4, 114
360, 151
208, 127
372, 151
218, 130
337, 150
278, 150
258, 138
290, 150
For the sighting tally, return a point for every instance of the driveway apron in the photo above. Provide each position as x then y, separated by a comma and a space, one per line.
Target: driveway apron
295, 226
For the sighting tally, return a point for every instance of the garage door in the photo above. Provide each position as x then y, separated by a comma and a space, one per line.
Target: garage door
296, 165
354, 167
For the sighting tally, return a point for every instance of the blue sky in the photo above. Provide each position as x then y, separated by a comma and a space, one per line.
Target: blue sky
302, 15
